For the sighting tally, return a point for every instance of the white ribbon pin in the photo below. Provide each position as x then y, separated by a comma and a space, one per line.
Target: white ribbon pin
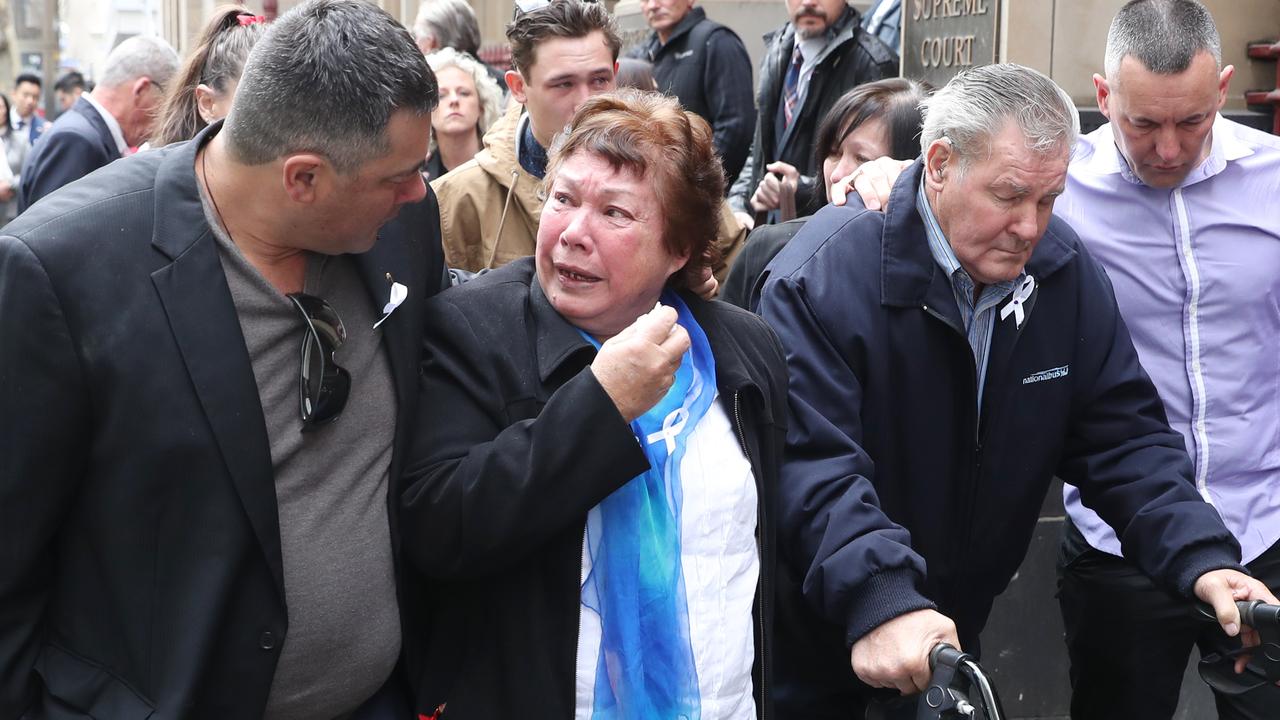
398, 294
672, 426
1015, 304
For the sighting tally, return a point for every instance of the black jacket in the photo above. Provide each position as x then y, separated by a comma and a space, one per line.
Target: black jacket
517, 442
706, 66
851, 58
76, 144
140, 561
746, 275
885, 433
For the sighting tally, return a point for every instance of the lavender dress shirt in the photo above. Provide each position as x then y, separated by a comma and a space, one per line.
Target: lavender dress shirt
1196, 271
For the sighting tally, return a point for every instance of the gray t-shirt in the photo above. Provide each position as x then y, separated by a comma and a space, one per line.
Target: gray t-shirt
331, 482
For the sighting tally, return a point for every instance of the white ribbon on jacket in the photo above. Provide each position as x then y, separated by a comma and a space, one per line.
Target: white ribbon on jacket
398, 294
1015, 303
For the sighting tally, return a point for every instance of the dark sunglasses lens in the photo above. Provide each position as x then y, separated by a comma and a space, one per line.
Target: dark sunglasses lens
322, 318
322, 386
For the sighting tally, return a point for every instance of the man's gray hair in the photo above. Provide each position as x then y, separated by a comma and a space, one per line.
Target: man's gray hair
142, 56
326, 78
977, 103
452, 23
1164, 35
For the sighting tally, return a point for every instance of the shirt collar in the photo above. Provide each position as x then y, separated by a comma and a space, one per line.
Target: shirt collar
941, 250
530, 153
113, 125
811, 48
1225, 147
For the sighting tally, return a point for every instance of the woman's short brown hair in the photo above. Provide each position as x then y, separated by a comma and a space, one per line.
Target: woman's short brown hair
650, 135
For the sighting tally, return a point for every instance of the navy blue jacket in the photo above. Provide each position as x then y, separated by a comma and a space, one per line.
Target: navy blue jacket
884, 424
77, 143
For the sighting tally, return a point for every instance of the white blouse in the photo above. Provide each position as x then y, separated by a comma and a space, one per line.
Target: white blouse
721, 566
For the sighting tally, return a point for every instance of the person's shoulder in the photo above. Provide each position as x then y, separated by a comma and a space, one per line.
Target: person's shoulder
756, 340
716, 31
467, 180
765, 241
455, 178
493, 288
872, 47
74, 120
1251, 136
70, 128
1257, 152
1061, 252
1088, 144
833, 240
729, 315
110, 192
1060, 241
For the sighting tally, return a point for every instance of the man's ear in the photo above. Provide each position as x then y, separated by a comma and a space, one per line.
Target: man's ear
1103, 89
305, 176
140, 86
515, 83
939, 160
1224, 80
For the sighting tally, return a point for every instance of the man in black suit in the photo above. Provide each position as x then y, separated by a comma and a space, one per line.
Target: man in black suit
209, 365
102, 125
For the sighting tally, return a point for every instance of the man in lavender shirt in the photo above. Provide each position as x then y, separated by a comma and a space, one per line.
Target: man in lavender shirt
1180, 206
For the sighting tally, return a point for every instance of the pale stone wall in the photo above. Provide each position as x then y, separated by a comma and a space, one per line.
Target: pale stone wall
1066, 39
1063, 38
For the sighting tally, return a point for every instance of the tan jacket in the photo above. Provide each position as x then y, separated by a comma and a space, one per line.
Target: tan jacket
489, 206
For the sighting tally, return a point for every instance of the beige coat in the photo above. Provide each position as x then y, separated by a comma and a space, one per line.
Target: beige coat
489, 206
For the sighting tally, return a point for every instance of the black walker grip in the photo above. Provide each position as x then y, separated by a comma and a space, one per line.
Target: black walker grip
947, 655
1217, 669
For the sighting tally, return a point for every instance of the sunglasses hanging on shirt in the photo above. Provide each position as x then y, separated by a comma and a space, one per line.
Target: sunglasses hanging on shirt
322, 385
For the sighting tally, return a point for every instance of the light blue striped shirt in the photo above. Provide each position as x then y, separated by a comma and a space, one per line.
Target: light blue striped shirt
979, 318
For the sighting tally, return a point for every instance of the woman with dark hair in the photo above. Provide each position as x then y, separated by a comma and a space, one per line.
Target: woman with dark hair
873, 120
635, 73
15, 146
204, 88
593, 490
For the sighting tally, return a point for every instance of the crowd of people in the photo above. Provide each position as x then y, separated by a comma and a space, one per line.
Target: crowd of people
345, 375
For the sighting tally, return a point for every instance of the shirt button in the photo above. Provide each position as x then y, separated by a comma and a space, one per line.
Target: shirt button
267, 641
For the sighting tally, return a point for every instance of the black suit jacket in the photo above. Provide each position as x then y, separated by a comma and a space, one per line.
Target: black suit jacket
77, 143
140, 566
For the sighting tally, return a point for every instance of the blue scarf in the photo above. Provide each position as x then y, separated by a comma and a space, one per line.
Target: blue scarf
636, 585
